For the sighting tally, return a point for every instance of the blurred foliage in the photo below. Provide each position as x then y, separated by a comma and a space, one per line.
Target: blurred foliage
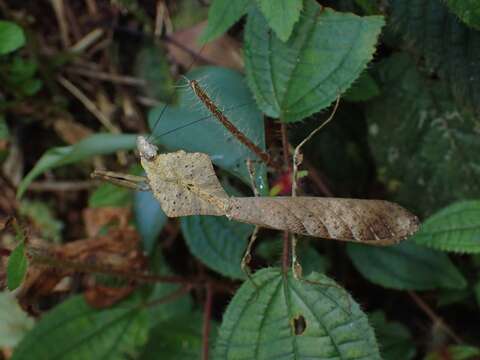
80, 80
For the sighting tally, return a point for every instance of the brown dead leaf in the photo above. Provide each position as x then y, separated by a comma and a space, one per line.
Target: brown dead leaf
13, 165
116, 253
8, 200
4, 220
4, 144
224, 51
96, 218
100, 296
69, 130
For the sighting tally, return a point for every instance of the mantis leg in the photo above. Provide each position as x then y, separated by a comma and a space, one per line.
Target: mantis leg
247, 257
139, 183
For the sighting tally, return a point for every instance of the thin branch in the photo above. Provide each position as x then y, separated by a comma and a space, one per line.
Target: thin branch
60, 186
194, 54
181, 291
317, 178
89, 104
40, 256
296, 158
207, 314
286, 235
285, 146
104, 76
434, 317
286, 252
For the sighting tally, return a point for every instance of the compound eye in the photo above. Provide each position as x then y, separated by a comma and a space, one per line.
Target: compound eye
146, 149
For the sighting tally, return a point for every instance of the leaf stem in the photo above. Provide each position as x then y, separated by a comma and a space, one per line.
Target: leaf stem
286, 252
286, 235
207, 314
285, 146
39, 256
436, 319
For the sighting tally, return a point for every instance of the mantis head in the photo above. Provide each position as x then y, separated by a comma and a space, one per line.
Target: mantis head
147, 150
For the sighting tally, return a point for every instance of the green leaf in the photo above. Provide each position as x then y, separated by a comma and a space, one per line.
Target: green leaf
467, 10
406, 267
310, 259
110, 195
455, 352
455, 228
15, 322
281, 15
326, 52
369, 7
221, 16
11, 37
152, 66
4, 133
394, 339
178, 339
363, 89
149, 217
425, 147
73, 330
188, 14
347, 136
98, 144
449, 47
21, 69
30, 87
218, 242
191, 127
165, 310
20, 77
476, 290
17, 266
285, 318
446, 297
44, 219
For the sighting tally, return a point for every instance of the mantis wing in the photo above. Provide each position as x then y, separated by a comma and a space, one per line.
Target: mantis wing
376, 222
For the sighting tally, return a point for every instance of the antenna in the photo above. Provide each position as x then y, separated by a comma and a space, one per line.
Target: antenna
164, 108
194, 121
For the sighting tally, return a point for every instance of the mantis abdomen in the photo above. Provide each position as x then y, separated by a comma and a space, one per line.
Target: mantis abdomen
370, 221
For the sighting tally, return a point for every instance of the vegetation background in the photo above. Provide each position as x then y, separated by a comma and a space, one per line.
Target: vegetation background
90, 270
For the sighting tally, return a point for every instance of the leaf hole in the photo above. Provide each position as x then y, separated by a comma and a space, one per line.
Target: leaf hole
299, 325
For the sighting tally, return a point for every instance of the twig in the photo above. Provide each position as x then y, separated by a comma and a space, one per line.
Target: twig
286, 252
40, 256
92, 7
434, 317
103, 76
286, 235
181, 291
207, 314
59, 10
194, 54
59, 186
317, 178
86, 41
147, 101
285, 146
296, 160
90, 105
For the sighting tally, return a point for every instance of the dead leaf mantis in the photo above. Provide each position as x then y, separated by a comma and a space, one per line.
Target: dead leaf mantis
186, 184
